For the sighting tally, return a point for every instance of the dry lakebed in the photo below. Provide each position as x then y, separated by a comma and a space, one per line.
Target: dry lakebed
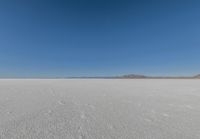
99, 109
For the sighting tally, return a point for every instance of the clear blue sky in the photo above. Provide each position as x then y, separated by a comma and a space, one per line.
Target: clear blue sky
55, 38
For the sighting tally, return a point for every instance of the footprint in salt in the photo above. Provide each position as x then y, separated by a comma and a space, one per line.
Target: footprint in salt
48, 113
79, 129
91, 106
9, 112
189, 106
61, 102
110, 126
83, 116
165, 115
53, 92
82, 136
153, 112
148, 120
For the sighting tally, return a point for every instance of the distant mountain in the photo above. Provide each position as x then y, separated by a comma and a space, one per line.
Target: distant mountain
133, 76
137, 76
197, 76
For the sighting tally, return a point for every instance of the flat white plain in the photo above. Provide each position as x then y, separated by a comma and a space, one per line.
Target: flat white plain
99, 109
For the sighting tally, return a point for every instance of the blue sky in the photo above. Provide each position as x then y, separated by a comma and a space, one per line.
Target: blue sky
57, 38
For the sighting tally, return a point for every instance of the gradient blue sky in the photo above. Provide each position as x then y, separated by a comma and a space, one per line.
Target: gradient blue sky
56, 38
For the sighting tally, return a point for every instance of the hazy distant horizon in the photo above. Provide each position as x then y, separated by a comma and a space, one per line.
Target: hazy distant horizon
104, 76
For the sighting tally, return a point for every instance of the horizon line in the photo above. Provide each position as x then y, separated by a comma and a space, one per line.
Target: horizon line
125, 76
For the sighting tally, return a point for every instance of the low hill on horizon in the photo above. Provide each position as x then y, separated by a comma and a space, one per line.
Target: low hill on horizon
133, 76
136, 76
197, 76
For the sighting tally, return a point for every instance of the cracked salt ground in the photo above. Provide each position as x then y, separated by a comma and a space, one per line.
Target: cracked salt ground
77, 109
